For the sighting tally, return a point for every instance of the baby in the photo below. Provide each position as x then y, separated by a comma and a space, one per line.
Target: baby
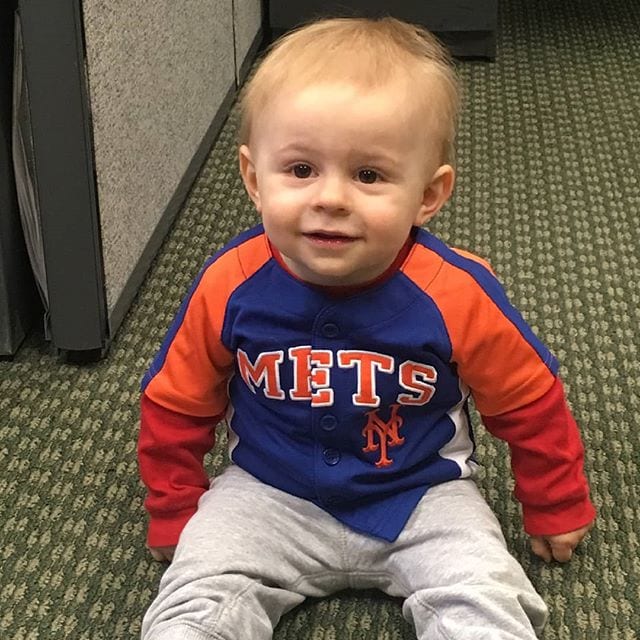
342, 343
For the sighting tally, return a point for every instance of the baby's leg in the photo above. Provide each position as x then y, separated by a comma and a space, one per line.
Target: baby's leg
250, 554
461, 581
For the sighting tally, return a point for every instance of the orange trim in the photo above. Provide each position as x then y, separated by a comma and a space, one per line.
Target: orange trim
193, 379
253, 254
502, 369
422, 266
471, 256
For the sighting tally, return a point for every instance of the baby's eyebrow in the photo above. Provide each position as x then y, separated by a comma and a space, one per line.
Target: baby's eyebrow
377, 158
294, 147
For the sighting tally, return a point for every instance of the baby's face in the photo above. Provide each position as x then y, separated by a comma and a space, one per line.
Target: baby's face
340, 176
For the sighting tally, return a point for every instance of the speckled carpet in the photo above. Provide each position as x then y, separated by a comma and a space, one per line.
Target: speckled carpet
548, 191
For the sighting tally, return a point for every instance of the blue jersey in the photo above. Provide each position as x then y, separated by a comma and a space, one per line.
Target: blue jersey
358, 403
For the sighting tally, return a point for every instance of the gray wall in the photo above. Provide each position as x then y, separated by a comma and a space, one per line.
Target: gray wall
159, 71
247, 22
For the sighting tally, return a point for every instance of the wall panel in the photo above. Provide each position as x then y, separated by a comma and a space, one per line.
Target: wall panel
158, 73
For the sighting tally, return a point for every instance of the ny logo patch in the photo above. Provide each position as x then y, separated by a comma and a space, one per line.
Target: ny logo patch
381, 435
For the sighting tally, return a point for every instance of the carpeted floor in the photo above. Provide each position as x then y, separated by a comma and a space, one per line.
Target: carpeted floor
548, 191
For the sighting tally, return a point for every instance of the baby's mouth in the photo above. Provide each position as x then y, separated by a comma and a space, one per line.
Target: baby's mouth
329, 237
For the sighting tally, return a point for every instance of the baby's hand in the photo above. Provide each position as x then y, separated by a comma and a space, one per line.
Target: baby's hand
162, 554
559, 547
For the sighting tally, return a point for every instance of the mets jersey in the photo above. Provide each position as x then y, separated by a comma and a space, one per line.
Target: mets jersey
356, 402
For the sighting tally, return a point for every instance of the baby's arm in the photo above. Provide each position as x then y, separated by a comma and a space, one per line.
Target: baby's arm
512, 376
171, 450
184, 397
547, 463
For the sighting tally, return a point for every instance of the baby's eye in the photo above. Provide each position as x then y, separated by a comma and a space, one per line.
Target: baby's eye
368, 176
301, 171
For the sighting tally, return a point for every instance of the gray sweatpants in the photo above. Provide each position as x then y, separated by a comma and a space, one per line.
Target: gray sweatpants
251, 553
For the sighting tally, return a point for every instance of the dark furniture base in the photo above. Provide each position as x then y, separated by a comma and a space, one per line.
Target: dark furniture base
467, 27
19, 301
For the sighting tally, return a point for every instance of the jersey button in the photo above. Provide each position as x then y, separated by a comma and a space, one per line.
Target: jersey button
328, 422
330, 330
331, 456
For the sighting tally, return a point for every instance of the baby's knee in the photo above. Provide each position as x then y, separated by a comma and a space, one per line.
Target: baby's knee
475, 611
215, 607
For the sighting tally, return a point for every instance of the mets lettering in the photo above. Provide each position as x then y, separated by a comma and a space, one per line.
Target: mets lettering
312, 378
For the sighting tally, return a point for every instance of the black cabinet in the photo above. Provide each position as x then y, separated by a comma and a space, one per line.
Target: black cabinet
19, 304
468, 27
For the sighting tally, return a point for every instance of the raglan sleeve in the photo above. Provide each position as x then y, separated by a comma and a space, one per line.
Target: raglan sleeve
184, 396
513, 379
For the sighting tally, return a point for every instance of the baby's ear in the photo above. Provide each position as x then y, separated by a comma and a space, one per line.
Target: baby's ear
248, 173
436, 193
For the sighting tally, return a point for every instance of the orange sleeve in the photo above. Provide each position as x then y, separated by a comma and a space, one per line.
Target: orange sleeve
185, 393
191, 372
491, 345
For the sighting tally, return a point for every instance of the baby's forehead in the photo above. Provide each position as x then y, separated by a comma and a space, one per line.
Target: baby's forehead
406, 93
399, 102
348, 122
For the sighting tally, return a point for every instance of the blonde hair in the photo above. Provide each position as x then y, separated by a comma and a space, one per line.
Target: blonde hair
369, 53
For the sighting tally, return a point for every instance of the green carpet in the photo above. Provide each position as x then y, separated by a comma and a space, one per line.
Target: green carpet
548, 191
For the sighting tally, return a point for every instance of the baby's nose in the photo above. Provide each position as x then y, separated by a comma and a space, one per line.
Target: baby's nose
332, 194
